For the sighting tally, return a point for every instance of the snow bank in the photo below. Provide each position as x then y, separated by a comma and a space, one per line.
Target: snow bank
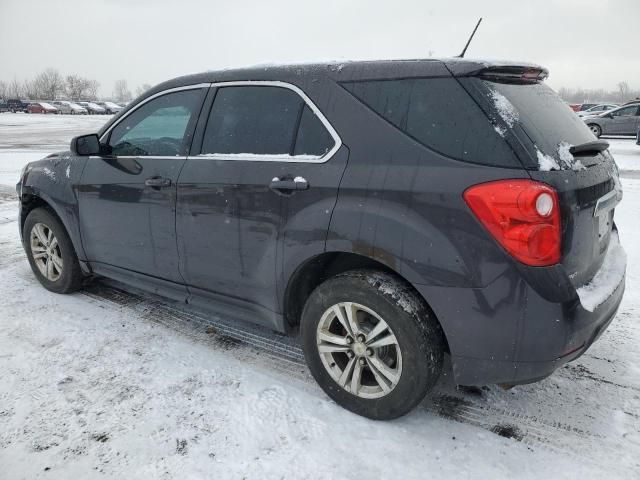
608, 278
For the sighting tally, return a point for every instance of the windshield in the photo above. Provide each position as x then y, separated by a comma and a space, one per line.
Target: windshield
545, 118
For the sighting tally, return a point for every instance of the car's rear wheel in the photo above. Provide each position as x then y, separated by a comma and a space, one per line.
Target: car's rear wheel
595, 129
371, 344
50, 252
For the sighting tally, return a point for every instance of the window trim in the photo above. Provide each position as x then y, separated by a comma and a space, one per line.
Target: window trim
261, 157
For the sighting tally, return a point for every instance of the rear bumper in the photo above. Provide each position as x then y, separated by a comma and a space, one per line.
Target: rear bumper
506, 333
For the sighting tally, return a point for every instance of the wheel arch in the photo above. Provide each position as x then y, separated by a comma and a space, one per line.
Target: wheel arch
31, 199
315, 270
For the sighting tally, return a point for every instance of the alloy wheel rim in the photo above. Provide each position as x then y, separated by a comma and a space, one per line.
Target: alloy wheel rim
359, 350
45, 251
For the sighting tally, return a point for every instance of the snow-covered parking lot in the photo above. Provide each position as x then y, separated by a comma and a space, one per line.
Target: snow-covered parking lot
109, 384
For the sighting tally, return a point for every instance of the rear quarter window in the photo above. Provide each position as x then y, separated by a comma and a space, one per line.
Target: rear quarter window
438, 113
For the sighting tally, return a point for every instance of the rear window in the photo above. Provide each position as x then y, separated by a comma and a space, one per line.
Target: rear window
438, 113
545, 118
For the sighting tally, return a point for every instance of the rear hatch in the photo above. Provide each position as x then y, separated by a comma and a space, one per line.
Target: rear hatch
557, 148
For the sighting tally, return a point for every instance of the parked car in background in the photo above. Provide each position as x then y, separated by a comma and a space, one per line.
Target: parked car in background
638, 137
93, 108
347, 205
575, 107
598, 109
623, 120
69, 108
16, 105
41, 107
110, 107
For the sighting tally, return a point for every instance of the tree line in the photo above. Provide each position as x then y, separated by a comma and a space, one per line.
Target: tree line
622, 93
50, 84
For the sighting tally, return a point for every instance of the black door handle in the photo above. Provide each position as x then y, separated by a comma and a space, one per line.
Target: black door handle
288, 184
157, 182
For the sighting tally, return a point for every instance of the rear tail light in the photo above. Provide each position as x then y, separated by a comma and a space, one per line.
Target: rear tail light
522, 215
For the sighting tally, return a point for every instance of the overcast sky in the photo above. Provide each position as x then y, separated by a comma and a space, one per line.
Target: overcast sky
587, 43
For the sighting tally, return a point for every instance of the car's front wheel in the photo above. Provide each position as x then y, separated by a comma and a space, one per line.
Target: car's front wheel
50, 252
595, 129
371, 344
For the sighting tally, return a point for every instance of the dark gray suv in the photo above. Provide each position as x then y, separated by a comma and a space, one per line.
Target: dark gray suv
388, 212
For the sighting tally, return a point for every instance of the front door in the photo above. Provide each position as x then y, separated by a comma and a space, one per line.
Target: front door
260, 165
624, 121
127, 198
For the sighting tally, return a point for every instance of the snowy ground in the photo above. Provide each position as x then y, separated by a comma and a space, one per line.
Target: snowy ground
109, 384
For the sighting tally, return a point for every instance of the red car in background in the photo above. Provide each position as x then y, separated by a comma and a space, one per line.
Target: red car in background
41, 107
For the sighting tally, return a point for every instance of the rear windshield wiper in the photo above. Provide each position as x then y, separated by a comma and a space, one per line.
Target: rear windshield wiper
596, 146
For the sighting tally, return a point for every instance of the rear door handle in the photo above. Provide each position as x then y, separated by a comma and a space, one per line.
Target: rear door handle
157, 182
298, 183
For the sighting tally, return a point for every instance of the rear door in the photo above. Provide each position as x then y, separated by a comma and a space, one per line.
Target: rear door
261, 182
127, 198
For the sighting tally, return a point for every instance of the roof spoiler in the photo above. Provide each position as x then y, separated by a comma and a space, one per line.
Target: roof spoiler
498, 71
513, 73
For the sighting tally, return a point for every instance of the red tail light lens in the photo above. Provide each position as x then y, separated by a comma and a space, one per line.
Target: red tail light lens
522, 215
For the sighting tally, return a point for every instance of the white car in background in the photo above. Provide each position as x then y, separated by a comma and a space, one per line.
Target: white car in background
597, 110
110, 107
69, 108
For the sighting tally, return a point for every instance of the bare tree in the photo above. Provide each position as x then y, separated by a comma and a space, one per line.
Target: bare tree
623, 89
77, 87
4, 88
580, 95
121, 91
31, 90
92, 89
49, 84
142, 88
14, 90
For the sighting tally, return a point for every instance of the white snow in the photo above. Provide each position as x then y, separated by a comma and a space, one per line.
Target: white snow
608, 278
49, 173
99, 384
567, 158
257, 157
546, 163
505, 108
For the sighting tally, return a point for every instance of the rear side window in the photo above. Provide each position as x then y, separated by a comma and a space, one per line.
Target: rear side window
264, 120
438, 113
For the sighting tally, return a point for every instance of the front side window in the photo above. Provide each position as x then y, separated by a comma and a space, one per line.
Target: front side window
161, 127
263, 120
626, 112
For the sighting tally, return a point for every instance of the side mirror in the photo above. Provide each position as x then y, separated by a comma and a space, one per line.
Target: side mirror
85, 145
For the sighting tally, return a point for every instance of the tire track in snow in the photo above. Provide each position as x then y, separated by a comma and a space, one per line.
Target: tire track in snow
284, 354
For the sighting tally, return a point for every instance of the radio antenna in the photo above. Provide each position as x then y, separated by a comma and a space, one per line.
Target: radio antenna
470, 38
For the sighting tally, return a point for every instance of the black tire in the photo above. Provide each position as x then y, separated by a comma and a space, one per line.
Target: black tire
71, 277
418, 335
597, 131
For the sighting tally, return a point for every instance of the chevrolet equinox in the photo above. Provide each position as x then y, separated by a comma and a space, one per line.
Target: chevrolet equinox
388, 212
